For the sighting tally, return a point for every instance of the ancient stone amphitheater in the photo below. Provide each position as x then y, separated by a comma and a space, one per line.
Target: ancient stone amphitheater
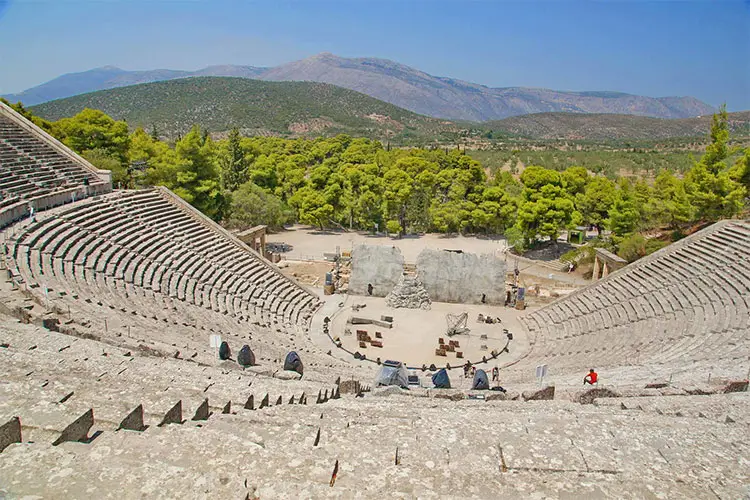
110, 389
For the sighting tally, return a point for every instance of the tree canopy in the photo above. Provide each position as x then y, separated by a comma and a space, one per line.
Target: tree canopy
357, 183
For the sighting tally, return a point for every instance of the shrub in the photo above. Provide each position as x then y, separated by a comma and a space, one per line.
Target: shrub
393, 227
515, 239
653, 245
632, 248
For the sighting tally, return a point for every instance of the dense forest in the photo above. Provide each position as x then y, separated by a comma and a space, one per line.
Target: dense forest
358, 183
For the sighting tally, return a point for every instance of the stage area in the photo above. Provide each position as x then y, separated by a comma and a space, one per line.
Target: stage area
415, 333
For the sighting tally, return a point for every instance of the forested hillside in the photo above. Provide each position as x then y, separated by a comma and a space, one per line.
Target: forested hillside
346, 182
257, 108
605, 127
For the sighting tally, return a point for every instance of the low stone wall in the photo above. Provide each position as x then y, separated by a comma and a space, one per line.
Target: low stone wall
20, 210
380, 266
462, 277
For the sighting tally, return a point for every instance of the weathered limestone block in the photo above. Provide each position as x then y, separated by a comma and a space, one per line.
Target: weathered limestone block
349, 387
51, 324
134, 420
588, 397
700, 390
388, 391
287, 375
358, 320
173, 416
736, 386
547, 393
500, 396
379, 266
452, 396
202, 413
462, 277
10, 432
78, 430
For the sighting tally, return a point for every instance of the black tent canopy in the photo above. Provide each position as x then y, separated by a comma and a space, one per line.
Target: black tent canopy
246, 357
293, 363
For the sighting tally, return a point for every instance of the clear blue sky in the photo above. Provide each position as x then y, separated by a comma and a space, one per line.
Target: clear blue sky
658, 48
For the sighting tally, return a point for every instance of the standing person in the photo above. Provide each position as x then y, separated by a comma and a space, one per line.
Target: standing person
495, 374
591, 377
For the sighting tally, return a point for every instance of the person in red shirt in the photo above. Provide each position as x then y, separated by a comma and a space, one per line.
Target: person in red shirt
591, 378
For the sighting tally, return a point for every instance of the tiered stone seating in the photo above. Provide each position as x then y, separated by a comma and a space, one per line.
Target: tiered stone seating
722, 408
408, 446
36, 170
687, 302
141, 260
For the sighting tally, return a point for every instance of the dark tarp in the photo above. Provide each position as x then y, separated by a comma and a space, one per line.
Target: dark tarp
246, 356
224, 352
293, 363
480, 380
440, 380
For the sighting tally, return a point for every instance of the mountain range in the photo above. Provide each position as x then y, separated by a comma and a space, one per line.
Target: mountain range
319, 109
391, 82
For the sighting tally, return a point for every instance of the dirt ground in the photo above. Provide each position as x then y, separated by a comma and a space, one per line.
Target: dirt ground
310, 244
310, 273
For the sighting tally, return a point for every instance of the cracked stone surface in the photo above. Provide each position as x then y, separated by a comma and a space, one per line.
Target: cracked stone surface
462, 277
380, 266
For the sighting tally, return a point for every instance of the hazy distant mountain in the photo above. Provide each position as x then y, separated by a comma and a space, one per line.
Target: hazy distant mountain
109, 77
455, 99
395, 83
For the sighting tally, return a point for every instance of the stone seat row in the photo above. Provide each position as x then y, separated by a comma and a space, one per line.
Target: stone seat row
733, 274
42, 367
731, 308
146, 247
290, 451
681, 324
633, 344
691, 302
44, 269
